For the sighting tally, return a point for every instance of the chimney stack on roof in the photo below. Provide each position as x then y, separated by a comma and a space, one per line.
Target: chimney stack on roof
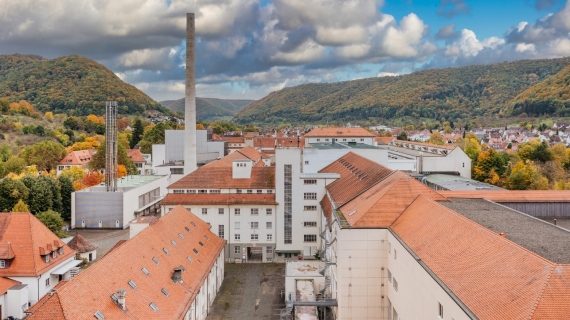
190, 99
120, 298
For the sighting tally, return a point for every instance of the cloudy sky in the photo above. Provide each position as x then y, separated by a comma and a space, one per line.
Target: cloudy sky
248, 48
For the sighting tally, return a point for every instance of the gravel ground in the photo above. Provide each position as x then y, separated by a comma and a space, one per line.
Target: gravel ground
564, 223
103, 239
250, 291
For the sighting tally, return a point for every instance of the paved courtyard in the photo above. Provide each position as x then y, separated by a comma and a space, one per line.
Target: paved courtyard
250, 291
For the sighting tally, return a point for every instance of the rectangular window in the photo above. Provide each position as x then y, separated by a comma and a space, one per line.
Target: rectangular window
236, 225
310, 181
190, 191
237, 236
259, 191
254, 211
237, 211
220, 210
238, 191
2, 264
310, 238
310, 196
176, 170
202, 191
440, 310
221, 231
310, 224
268, 211
254, 237
269, 191
249, 191
287, 207
47, 282
237, 250
216, 191
269, 237
178, 191
204, 211
268, 225
254, 225
310, 208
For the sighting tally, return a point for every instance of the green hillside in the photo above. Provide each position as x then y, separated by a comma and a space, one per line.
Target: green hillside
71, 84
550, 96
209, 108
453, 93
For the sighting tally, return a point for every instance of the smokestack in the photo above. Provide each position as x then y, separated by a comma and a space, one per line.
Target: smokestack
190, 99
111, 148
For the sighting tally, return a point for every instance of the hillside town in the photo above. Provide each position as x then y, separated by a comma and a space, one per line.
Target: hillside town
168, 218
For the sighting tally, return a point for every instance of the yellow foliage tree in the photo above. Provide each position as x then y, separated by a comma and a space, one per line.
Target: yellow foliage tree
92, 142
20, 206
121, 171
49, 116
436, 138
95, 119
74, 173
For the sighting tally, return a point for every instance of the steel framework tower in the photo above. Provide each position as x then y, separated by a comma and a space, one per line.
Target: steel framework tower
111, 149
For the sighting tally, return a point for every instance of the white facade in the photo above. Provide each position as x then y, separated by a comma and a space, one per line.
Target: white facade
454, 161
200, 307
347, 139
375, 277
315, 159
249, 230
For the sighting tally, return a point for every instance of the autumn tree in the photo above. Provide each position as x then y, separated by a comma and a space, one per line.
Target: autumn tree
436, 138
44, 154
66, 188
20, 206
41, 195
11, 191
98, 160
490, 165
92, 178
525, 175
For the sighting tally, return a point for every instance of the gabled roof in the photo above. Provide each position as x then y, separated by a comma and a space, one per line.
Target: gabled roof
221, 178
223, 199
79, 157
357, 174
29, 239
339, 132
494, 277
81, 245
171, 241
6, 284
247, 153
135, 155
383, 203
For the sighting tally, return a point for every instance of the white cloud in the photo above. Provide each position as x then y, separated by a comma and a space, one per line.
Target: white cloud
309, 51
401, 42
525, 47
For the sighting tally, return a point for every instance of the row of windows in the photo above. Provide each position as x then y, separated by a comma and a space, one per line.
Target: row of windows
218, 191
253, 237
310, 208
268, 250
337, 139
254, 225
310, 238
310, 223
237, 211
310, 196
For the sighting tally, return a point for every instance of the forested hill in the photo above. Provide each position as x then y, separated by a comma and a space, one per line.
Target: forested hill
71, 84
210, 108
550, 96
451, 94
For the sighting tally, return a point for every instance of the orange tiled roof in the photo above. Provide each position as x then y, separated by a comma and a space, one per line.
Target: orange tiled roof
247, 153
230, 139
384, 140
265, 142
80, 244
290, 142
494, 277
512, 195
339, 132
135, 155
91, 290
218, 199
382, 204
357, 174
208, 177
29, 239
80, 157
6, 284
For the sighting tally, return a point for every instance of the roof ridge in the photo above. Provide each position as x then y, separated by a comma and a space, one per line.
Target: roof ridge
366, 189
542, 290
32, 233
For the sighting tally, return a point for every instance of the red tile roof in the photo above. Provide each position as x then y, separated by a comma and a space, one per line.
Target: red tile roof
357, 174
382, 204
384, 140
135, 155
265, 142
207, 177
247, 153
6, 284
29, 239
494, 277
230, 139
81, 245
80, 157
339, 132
218, 199
91, 290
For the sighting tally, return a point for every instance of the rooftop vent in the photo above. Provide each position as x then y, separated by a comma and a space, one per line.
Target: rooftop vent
99, 315
155, 260
132, 284
164, 292
120, 298
177, 274
153, 306
145, 271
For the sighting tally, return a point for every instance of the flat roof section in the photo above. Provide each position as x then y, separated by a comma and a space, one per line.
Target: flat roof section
342, 145
126, 183
451, 182
540, 237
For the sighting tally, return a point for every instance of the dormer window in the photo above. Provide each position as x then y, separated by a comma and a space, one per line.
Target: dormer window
60, 251
46, 258
54, 254
3, 264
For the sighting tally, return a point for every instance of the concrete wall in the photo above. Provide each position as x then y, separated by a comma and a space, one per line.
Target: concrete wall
315, 159
91, 208
15, 302
542, 209
455, 161
174, 141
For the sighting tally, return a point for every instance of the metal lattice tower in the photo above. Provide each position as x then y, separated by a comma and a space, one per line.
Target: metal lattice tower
111, 149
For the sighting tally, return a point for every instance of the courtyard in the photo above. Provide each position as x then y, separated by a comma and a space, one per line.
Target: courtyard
250, 291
